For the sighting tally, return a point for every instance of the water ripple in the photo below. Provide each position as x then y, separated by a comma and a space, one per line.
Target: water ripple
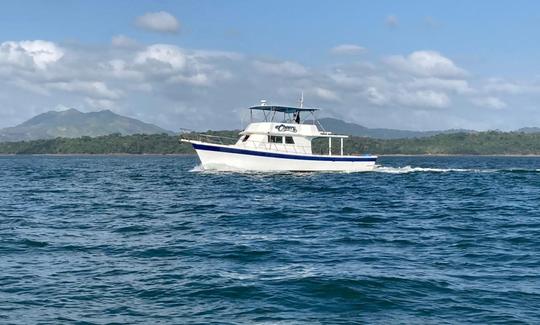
153, 239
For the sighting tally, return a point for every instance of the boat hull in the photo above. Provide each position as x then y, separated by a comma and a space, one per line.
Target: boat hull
220, 157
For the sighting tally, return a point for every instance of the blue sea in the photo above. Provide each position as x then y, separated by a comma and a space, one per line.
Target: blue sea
156, 240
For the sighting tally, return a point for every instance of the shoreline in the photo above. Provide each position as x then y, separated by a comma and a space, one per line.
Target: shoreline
459, 155
97, 154
194, 154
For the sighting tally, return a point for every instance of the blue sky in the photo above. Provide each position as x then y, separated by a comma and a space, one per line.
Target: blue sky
493, 44
485, 33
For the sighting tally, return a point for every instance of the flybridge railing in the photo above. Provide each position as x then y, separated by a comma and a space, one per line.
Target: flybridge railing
258, 145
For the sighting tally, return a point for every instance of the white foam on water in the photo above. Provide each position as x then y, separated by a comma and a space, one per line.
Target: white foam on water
377, 169
409, 169
198, 168
226, 169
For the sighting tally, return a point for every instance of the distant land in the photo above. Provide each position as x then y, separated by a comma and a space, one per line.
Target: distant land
72, 123
342, 127
479, 143
339, 126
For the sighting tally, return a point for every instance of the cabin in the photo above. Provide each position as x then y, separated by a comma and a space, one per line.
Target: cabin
282, 130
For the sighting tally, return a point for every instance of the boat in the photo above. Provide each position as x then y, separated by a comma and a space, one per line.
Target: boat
282, 141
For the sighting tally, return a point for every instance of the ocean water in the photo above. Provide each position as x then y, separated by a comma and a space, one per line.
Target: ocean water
155, 240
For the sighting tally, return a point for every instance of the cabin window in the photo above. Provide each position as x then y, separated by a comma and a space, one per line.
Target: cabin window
246, 137
289, 140
275, 139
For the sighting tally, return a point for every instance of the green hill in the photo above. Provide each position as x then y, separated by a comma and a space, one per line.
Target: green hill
73, 124
481, 143
342, 127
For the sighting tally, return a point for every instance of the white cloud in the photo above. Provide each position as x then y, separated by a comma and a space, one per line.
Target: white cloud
29, 85
489, 102
459, 86
282, 69
205, 54
36, 53
163, 53
161, 21
199, 79
100, 104
152, 82
175, 65
498, 85
348, 49
427, 64
374, 96
424, 98
93, 89
345, 80
120, 69
123, 41
325, 94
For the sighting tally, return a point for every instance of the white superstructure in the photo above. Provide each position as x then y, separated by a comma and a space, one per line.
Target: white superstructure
279, 144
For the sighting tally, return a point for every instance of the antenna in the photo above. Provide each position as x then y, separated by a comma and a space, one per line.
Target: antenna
302, 100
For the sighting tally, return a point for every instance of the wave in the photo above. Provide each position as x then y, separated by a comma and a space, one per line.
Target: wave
198, 168
226, 169
377, 169
410, 169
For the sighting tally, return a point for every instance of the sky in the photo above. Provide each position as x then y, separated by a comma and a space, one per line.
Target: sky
417, 65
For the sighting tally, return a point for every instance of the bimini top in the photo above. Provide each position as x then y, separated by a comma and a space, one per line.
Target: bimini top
283, 109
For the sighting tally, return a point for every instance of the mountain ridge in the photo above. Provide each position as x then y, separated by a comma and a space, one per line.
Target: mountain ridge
72, 123
339, 126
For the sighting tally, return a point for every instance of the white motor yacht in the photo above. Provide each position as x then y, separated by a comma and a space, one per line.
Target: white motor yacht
281, 142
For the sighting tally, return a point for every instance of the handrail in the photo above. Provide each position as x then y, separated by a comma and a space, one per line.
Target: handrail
216, 136
208, 137
298, 149
280, 147
320, 135
250, 144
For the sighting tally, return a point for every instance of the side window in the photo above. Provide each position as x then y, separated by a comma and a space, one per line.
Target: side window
289, 140
246, 137
275, 139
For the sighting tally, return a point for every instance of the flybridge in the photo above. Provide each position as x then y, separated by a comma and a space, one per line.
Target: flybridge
283, 109
290, 114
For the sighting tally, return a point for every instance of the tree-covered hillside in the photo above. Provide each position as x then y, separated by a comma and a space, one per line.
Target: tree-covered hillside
481, 143
109, 144
72, 123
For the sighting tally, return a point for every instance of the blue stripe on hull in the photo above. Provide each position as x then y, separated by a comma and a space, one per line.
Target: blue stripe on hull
206, 147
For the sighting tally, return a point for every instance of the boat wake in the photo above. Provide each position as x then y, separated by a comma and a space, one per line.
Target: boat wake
196, 169
224, 169
216, 168
410, 169
377, 169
